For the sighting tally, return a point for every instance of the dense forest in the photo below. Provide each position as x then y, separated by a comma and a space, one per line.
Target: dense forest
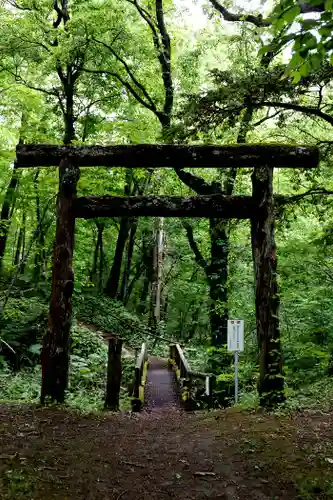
127, 72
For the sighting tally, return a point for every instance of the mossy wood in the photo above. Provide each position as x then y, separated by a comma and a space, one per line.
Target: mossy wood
55, 351
234, 207
271, 381
169, 155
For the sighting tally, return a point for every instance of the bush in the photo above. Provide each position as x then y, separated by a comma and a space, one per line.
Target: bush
304, 363
110, 316
87, 376
23, 324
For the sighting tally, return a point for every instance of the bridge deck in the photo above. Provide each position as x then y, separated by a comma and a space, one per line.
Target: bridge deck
161, 388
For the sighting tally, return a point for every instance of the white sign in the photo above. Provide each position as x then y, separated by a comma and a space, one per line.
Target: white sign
236, 335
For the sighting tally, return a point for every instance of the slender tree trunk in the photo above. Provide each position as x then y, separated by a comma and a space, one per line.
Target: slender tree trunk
101, 256
156, 279
218, 279
6, 211
112, 284
20, 243
95, 260
40, 257
139, 269
23, 261
55, 352
147, 259
129, 256
271, 380
14, 247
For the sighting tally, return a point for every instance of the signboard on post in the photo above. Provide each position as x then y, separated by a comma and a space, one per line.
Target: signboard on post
236, 345
236, 335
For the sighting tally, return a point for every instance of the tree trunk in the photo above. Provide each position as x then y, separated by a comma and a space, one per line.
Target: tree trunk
18, 253
40, 257
156, 276
139, 269
55, 352
6, 211
217, 273
93, 272
101, 259
147, 259
112, 284
129, 256
271, 380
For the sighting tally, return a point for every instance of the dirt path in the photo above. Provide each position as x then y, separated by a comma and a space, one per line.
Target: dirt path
54, 455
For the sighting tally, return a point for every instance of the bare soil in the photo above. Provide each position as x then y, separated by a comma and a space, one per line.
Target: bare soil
52, 454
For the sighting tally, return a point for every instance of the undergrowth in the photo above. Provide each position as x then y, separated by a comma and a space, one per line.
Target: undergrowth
87, 377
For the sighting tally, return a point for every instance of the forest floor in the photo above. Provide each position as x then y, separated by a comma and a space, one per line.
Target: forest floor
54, 454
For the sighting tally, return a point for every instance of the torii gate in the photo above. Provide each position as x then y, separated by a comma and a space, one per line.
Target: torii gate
259, 208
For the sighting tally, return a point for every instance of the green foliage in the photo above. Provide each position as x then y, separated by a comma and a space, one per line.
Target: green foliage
87, 378
312, 38
219, 82
23, 324
110, 316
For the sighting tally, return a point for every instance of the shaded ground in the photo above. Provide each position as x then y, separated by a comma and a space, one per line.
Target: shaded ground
54, 455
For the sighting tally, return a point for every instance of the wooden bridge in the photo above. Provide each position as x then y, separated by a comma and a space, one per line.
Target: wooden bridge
158, 383
161, 383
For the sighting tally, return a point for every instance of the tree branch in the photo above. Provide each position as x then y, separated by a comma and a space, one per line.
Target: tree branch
296, 107
267, 117
250, 18
127, 85
281, 200
164, 57
130, 74
258, 20
194, 182
199, 259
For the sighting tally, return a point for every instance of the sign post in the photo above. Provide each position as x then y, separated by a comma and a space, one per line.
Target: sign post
236, 345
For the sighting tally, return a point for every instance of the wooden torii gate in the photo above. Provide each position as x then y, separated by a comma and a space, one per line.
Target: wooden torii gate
259, 208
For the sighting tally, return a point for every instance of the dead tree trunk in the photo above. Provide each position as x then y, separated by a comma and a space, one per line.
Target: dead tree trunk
114, 375
271, 380
55, 352
156, 276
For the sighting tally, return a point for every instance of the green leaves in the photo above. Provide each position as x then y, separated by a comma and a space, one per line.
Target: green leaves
312, 37
291, 13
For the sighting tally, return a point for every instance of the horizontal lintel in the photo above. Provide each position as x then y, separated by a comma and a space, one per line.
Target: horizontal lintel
234, 207
169, 155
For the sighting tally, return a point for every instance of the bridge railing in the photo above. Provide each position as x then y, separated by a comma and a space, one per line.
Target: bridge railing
140, 376
187, 378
